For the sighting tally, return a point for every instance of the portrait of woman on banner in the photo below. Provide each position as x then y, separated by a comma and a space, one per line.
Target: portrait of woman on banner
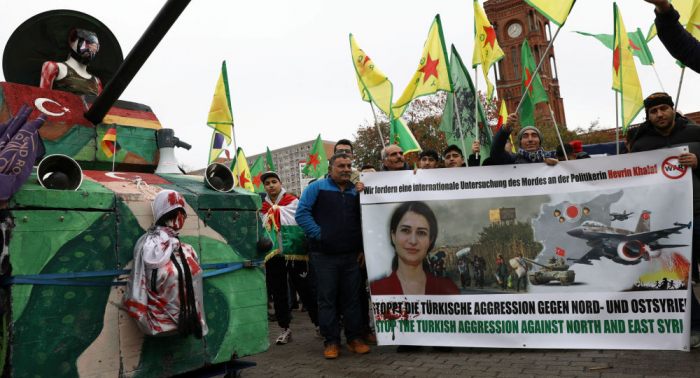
413, 230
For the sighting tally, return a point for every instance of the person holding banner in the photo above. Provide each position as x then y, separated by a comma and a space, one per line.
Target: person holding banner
329, 214
393, 160
413, 229
429, 159
664, 128
454, 158
530, 142
677, 40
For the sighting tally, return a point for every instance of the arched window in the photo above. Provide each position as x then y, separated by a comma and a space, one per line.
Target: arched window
516, 66
549, 32
536, 53
496, 69
501, 71
530, 25
553, 67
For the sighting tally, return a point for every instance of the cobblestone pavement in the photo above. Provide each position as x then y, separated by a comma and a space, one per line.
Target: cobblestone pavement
303, 357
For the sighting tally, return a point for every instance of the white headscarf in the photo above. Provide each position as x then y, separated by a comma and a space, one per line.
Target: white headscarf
161, 242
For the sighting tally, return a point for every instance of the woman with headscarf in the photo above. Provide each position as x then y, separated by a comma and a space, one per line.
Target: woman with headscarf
164, 291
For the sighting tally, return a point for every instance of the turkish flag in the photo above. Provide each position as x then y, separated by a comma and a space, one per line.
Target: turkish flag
561, 252
63, 110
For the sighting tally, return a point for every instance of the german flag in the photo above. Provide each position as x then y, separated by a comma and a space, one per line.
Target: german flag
109, 141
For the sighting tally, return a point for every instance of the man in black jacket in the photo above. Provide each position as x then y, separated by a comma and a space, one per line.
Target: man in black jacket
678, 41
665, 128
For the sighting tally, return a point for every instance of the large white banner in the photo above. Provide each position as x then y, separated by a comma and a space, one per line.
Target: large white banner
605, 246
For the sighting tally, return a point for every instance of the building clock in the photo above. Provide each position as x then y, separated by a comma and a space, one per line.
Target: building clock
514, 30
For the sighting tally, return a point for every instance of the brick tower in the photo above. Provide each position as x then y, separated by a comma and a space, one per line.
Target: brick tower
513, 21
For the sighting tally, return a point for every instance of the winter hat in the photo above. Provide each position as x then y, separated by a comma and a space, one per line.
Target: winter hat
655, 99
520, 134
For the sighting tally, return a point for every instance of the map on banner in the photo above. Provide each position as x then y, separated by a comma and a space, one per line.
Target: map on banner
595, 253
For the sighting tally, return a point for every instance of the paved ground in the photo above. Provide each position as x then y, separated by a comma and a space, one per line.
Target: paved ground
303, 357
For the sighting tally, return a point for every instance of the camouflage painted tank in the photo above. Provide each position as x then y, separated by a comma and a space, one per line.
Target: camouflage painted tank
64, 254
554, 270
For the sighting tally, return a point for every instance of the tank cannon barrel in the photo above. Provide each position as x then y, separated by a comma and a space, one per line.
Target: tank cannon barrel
150, 39
534, 262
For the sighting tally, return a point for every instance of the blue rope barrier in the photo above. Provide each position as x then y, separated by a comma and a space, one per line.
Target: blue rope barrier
62, 279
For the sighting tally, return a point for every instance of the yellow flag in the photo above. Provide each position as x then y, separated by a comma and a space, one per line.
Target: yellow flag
486, 49
220, 116
684, 8
693, 25
555, 10
433, 73
374, 85
625, 79
240, 170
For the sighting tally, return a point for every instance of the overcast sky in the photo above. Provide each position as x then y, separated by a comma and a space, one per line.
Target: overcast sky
290, 70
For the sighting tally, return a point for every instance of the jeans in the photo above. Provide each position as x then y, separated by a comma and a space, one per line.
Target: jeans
337, 276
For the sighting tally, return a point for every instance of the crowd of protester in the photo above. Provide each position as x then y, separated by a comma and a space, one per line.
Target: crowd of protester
331, 276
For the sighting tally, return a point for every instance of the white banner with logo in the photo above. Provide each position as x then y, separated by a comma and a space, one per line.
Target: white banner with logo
590, 253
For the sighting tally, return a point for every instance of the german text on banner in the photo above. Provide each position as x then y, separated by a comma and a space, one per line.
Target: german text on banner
591, 254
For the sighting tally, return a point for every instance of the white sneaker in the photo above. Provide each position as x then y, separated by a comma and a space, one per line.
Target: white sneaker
694, 339
284, 337
318, 334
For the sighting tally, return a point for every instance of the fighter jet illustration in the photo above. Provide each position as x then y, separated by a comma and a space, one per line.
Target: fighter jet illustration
624, 246
620, 217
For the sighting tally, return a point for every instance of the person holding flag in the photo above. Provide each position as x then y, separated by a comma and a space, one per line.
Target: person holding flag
329, 214
530, 142
679, 42
288, 255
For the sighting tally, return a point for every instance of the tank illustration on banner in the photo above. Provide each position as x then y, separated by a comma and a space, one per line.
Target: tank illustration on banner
554, 270
65, 255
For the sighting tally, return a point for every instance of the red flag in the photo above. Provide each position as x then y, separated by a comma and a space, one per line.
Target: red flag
561, 252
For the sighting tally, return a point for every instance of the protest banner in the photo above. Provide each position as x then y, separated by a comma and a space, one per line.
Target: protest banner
605, 247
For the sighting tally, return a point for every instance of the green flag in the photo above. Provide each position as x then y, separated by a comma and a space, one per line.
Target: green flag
638, 44
466, 103
269, 162
317, 163
402, 136
256, 170
536, 93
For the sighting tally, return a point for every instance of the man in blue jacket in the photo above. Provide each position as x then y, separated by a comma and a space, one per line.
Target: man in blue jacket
329, 214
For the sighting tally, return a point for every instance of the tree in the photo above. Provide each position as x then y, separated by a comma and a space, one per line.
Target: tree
422, 117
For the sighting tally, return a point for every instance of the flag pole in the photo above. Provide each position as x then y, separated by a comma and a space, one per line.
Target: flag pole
617, 124
680, 84
556, 128
476, 109
657, 77
537, 70
376, 123
457, 114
